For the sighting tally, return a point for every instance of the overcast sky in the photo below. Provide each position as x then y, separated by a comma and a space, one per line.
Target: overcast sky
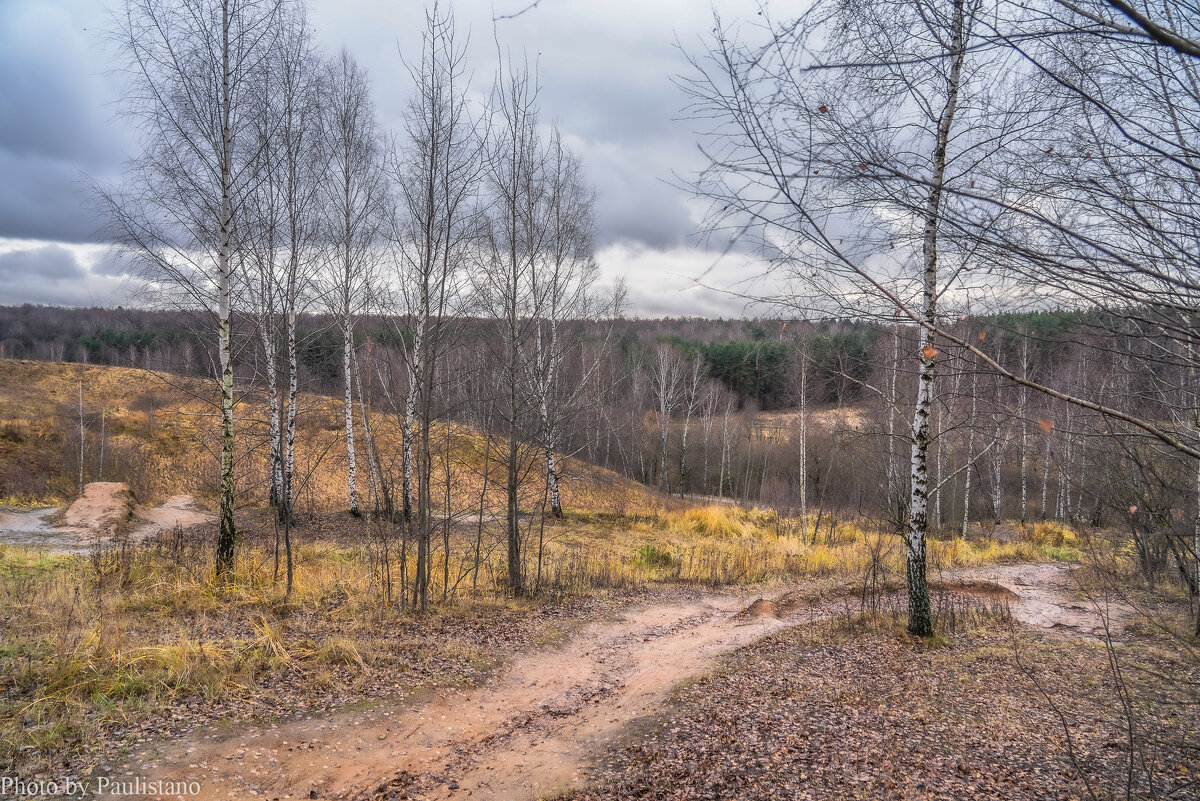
606, 70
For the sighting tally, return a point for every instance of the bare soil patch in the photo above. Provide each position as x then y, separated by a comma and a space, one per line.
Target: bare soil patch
106, 512
1048, 597
528, 734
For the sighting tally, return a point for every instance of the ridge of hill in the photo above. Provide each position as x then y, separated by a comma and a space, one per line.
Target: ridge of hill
158, 433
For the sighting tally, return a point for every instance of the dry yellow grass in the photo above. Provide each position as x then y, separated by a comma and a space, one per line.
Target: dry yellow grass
729, 544
160, 436
92, 642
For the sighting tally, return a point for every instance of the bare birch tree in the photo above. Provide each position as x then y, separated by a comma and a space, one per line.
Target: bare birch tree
195, 68
667, 380
354, 205
693, 380
438, 172
818, 131
298, 156
563, 284
515, 236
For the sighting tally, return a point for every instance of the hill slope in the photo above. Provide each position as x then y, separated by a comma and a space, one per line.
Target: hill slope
158, 433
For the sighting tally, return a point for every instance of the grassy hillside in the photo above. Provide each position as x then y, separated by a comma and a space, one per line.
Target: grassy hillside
158, 433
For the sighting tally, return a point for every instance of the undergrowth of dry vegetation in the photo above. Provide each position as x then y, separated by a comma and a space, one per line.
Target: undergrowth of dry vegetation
141, 640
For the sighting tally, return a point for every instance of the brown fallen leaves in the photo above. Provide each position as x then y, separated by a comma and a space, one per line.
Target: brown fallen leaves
827, 712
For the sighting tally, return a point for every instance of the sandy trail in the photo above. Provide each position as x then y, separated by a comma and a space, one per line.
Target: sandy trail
105, 512
531, 732
1046, 597
524, 736
177, 511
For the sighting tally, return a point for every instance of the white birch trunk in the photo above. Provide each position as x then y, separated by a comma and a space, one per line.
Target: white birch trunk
920, 614
1046, 478
970, 456
1024, 414
549, 376
407, 428
273, 425
939, 426
227, 537
82, 437
287, 500
708, 413
997, 477
373, 478
803, 477
893, 477
726, 435
1196, 538
348, 407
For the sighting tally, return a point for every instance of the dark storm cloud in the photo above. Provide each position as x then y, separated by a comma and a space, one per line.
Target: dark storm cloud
56, 121
59, 275
45, 199
606, 74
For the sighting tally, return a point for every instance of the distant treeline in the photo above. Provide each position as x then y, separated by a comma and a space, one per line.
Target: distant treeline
753, 359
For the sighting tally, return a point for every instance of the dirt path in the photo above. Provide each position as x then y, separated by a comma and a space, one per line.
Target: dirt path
1047, 598
104, 512
530, 733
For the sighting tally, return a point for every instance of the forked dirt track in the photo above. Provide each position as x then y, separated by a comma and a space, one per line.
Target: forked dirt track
105, 512
530, 732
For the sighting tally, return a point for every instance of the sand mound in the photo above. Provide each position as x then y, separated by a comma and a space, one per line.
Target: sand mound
760, 608
104, 510
107, 510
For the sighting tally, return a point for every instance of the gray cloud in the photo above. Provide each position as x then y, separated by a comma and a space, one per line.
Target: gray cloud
605, 70
57, 275
52, 262
56, 118
44, 198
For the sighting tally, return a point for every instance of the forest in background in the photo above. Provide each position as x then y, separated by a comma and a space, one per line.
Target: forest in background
732, 394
